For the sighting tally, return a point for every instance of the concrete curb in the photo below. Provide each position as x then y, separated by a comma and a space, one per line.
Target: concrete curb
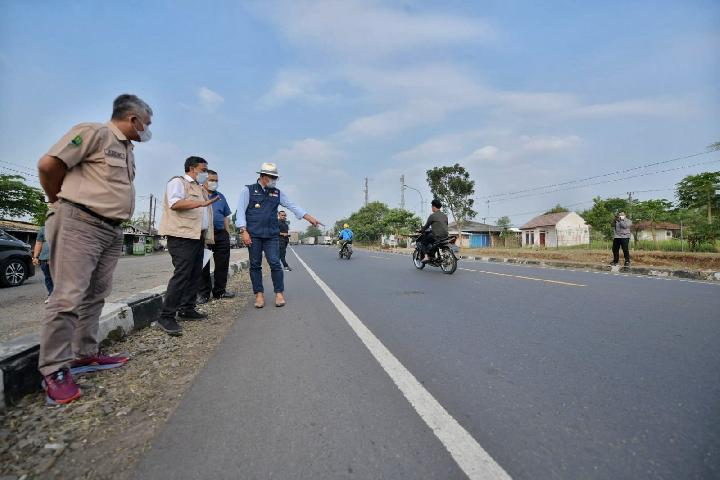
19, 357
700, 275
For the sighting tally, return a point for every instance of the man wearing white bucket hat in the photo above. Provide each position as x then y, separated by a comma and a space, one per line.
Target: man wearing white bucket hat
257, 221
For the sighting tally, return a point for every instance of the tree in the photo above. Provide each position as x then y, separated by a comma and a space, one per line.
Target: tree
453, 187
713, 147
401, 222
367, 223
601, 214
504, 223
557, 209
653, 211
18, 200
312, 231
699, 191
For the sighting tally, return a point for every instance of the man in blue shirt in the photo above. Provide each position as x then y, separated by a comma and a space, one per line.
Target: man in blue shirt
41, 257
345, 235
257, 220
221, 247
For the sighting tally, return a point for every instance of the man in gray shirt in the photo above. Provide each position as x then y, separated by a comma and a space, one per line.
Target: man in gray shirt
621, 238
435, 228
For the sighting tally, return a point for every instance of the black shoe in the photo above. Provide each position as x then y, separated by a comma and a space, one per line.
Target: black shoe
170, 326
202, 300
225, 295
288, 269
627, 264
613, 264
192, 315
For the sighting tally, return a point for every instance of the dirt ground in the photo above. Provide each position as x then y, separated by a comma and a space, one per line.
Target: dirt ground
103, 434
674, 260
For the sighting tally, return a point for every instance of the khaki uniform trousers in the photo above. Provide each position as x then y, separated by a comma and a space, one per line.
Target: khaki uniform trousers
84, 251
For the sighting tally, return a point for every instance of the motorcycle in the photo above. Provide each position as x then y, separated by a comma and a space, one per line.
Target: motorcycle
442, 254
346, 250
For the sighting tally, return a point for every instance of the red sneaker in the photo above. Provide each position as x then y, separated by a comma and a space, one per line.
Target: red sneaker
60, 387
99, 360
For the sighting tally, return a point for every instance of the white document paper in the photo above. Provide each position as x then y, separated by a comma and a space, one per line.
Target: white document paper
206, 256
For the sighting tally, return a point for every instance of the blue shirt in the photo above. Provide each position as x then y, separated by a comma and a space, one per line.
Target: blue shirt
45, 252
221, 209
346, 234
240, 221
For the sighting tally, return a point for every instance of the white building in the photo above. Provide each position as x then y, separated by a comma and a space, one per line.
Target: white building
663, 231
555, 230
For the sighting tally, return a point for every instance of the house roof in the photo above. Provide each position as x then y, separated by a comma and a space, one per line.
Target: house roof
16, 226
658, 225
547, 220
473, 227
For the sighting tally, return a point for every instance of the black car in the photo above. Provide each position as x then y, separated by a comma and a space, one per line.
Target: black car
15, 261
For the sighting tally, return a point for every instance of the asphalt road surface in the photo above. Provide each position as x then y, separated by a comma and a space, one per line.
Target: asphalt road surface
377, 370
22, 308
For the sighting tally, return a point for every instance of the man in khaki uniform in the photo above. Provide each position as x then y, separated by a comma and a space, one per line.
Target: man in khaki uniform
187, 221
88, 178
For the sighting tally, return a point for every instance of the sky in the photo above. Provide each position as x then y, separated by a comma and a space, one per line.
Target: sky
523, 94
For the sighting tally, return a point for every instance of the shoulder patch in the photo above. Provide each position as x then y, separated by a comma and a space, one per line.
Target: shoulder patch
77, 141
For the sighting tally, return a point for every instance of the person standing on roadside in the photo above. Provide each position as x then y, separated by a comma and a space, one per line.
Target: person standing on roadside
257, 220
88, 179
284, 238
221, 247
187, 216
41, 255
621, 238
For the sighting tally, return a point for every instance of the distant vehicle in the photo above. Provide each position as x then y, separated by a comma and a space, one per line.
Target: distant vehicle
15, 261
327, 240
346, 250
308, 241
234, 243
294, 238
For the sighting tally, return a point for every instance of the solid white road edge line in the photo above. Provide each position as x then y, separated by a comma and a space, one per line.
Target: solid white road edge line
469, 455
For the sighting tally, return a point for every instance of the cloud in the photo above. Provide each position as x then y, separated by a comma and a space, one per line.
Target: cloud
296, 85
544, 143
208, 99
367, 29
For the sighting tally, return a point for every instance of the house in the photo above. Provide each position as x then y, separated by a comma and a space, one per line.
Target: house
562, 229
663, 231
25, 231
477, 235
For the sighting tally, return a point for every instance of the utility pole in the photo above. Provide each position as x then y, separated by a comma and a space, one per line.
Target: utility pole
402, 192
366, 191
154, 214
630, 199
150, 212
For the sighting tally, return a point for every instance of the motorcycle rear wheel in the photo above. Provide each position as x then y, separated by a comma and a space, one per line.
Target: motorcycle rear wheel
448, 261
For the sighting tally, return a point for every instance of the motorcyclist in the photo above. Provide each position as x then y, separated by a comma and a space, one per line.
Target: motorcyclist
345, 236
436, 228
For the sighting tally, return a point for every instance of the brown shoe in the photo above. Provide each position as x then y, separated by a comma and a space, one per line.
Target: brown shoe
279, 300
259, 300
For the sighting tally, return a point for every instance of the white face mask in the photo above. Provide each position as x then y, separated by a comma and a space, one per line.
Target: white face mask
145, 134
201, 177
622, 217
272, 183
212, 186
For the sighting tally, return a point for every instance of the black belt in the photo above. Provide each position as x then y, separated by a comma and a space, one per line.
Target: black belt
109, 221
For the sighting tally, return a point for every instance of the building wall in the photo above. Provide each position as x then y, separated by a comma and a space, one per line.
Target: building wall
660, 234
572, 230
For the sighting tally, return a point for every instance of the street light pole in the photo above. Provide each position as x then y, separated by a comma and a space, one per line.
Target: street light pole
422, 202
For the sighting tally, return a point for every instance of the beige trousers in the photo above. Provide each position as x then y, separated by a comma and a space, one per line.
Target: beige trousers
83, 254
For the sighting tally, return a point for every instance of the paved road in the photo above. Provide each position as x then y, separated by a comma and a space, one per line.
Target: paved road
22, 307
553, 373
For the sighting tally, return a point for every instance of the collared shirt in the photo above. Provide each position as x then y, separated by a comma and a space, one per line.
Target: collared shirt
245, 200
175, 192
45, 250
221, 209
100, 169
346, 234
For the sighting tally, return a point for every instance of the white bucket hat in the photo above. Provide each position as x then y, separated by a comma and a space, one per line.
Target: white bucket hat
268, 169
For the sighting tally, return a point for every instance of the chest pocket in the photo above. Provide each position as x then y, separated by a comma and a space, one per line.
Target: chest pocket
116, 170
256, 198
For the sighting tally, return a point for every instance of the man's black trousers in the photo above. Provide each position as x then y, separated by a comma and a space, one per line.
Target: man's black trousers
187, 257
283, 250
221, 257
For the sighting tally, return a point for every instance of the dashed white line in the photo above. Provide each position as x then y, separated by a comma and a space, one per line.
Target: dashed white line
465, 450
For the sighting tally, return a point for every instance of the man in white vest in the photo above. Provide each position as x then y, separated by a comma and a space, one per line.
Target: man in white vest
187, 214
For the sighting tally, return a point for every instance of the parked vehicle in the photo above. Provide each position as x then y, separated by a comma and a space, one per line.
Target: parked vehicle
294, 238
308, 241
327, 240
346, 250
15, 261
442, 255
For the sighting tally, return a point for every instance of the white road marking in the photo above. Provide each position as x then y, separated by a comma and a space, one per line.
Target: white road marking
523, 277
467, 452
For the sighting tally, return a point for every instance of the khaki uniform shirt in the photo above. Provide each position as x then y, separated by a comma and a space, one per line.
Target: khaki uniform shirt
100, 169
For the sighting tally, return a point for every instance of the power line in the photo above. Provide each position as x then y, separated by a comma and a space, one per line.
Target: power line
618, 172
605, 181
18, 171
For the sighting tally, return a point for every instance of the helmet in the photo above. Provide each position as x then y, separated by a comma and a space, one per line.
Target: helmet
345, 225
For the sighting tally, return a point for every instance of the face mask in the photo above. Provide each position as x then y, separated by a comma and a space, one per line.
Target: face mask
622, 217
145, 135
212, 186
202, 177
272, 183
